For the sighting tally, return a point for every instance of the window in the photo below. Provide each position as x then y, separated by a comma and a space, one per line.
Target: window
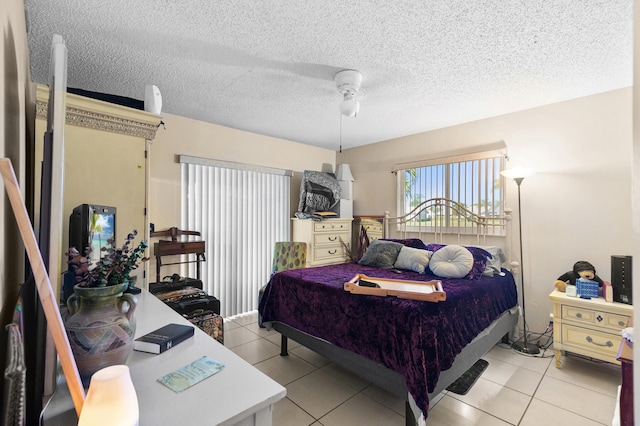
473, 180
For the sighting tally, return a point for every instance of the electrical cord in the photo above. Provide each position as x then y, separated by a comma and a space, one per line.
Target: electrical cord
536, 338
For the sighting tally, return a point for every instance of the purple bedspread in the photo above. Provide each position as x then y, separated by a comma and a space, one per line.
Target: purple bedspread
416, 339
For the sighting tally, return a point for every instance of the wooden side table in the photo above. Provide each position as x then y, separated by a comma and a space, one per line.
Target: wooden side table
176, 248
625, 356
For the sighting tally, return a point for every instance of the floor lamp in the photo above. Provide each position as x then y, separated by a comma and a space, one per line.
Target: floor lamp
518, 175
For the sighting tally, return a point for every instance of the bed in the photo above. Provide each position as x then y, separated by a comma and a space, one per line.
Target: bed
412, 349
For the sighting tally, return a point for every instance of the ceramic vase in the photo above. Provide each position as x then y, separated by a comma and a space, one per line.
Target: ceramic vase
100, 325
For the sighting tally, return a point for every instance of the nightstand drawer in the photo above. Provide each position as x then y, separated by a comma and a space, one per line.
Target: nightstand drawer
332, 238
332, 225
578, 314
615, 322
586, 316
372, 227
604, 343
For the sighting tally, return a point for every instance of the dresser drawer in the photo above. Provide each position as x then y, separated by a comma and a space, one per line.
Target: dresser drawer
329, 254
607, 320
329, 226
596, 341
333, 238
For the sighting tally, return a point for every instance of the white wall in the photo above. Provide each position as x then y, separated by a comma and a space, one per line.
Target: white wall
576, 207
181, 135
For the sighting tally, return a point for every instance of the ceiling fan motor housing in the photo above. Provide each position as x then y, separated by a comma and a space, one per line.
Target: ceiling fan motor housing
348, 84
348, 81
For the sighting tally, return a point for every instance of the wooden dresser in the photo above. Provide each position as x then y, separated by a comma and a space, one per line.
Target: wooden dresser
589, 327
326, 239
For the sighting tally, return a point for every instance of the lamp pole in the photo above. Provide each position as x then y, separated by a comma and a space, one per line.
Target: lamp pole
524, 346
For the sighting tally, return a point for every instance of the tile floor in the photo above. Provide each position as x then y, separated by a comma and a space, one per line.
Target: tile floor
514, 389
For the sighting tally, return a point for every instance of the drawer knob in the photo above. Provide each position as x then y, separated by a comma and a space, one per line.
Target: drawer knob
599, 318
332, 238
608, 344
621, 323
333, 251
579, 315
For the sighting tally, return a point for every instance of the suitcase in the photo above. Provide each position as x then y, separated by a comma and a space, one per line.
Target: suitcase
176, 284
209, 322
189, 305
186, 293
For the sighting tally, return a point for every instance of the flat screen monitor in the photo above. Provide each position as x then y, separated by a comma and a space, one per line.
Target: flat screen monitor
92, 225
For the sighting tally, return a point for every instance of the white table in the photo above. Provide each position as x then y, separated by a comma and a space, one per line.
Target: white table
238, 395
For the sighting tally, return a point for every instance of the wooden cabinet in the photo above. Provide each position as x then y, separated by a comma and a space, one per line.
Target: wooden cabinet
374, 227
104, 161
589, 327
328, 241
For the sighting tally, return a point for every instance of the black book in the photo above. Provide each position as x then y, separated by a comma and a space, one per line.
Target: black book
163, 338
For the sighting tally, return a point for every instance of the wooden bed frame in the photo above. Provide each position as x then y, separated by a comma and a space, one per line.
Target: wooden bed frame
476, 226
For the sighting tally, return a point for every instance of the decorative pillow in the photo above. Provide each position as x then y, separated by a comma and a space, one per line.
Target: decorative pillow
413, 259
480, 258
451, 261
381, 254
409, 242
494, 264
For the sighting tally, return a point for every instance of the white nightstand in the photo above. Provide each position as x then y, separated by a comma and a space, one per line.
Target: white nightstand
589, 327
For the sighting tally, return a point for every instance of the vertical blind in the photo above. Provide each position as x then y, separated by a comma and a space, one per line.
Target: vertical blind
241, 211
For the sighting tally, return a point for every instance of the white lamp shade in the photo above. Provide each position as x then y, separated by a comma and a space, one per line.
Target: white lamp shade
346, 189
111, 399
343, 172
517, 172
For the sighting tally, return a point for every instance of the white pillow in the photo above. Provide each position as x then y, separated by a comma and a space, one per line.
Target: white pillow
451, 261
413, 259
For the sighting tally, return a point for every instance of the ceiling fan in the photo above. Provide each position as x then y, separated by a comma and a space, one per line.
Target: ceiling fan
348, 84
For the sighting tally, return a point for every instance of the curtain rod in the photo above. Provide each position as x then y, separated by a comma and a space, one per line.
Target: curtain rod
187, 159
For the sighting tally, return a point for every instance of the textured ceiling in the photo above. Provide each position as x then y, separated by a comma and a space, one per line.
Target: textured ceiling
268, 66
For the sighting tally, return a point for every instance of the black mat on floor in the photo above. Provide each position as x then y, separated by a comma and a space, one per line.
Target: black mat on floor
462, 385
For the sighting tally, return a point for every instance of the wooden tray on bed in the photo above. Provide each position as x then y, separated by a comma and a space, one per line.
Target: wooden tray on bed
429, 291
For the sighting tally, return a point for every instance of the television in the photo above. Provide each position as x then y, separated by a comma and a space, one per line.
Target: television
92, 225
